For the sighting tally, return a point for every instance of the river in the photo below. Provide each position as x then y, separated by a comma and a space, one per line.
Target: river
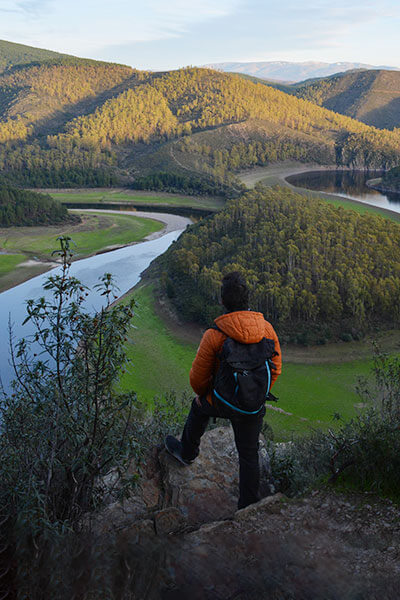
347, 184
125, 264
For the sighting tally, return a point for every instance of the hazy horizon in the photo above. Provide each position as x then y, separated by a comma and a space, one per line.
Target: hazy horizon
155, 36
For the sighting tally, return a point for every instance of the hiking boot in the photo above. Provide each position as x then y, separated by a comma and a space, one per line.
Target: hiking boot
174, 447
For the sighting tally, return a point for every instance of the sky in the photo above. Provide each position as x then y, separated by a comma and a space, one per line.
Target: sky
168, 34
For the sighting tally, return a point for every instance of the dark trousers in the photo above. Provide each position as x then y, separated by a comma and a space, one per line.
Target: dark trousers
247, 431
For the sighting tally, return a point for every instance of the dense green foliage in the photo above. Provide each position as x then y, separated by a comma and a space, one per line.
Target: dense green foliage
391, 180
362, 453
171, 182
35, 166
193, 99
314, 270
220, 162
59, 84
135, 115
64, 426
22, 207
77, 122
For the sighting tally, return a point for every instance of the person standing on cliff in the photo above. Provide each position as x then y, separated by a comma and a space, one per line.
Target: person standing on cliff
238, 333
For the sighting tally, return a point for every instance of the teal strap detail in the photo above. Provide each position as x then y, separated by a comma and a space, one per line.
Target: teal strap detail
245, 412
237, 385
269, 377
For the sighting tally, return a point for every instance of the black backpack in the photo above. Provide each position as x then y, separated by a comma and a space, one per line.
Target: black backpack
243, 379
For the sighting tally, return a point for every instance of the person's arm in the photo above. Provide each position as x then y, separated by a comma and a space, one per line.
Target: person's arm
277, 360
203, 367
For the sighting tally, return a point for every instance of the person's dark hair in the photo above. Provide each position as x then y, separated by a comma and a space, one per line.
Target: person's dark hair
234, 292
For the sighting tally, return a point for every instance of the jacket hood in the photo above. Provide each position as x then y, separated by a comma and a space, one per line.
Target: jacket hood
244, 326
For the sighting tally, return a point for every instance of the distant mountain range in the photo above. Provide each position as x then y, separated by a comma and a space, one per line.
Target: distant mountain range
292, 71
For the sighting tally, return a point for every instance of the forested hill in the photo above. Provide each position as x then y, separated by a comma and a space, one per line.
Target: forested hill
316, 272
372, 97
12, 55
76, 122
23, 207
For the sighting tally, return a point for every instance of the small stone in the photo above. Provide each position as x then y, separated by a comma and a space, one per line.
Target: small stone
256, 508
168, 520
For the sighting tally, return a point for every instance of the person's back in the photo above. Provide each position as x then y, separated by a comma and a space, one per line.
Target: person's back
248, 328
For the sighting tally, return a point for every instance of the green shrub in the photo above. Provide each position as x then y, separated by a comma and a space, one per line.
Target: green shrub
363, 453
64, 426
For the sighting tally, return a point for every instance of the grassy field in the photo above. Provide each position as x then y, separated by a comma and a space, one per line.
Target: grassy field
310, 393
162, 199
160, 362
96, 232
8, 262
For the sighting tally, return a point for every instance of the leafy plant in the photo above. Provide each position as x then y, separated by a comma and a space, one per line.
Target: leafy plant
362, 453
64, 426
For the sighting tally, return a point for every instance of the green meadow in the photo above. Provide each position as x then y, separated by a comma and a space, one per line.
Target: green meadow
96, 232
8, 262
309, 394
126, 196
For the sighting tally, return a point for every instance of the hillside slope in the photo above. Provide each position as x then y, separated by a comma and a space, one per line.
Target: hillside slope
372, 97
316, 271
12, 55
81, 122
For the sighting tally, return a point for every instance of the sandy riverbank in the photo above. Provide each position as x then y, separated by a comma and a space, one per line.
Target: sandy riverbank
279, 171
31, 268
171, 222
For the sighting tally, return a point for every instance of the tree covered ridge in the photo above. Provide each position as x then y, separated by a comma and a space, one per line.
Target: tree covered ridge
35, 92
23, 207
12, 55
198, 99
132, 124
311, 267
372, 96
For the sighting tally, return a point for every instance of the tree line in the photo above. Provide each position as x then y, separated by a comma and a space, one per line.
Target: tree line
159, 107
23, 207
316, 271
37, 166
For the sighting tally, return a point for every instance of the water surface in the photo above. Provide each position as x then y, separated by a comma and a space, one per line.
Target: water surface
125, 264
348, 184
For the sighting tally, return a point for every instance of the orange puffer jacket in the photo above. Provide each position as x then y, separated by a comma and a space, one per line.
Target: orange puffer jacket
244, 326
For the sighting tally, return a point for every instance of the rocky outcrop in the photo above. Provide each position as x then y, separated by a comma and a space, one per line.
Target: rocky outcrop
181, 537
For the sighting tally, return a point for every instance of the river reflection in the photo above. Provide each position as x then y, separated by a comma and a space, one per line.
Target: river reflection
348, 184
